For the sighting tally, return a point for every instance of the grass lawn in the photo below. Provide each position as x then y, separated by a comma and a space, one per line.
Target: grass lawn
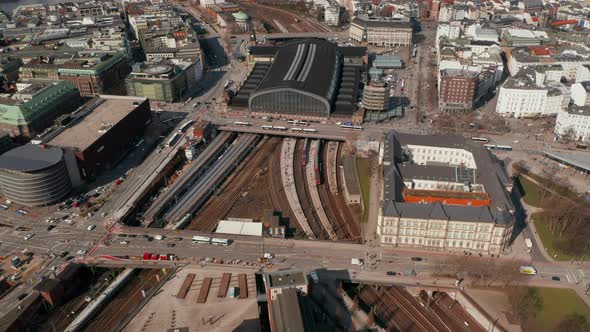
364, 174
557, 303
532, 192
549, 240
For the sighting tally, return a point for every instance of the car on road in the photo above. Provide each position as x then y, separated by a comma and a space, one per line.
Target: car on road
178, 238
170, 245
391, 273
91, 227
3, 207
29, 236
124, 242
50, 227
556, 278
81, 252
21, 212
22, 296
417, 259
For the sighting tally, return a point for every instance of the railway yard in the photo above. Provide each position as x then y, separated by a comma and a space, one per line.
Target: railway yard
239, 176
395, 309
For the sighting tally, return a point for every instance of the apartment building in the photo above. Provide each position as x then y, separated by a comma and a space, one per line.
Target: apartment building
381, 31
570, 59
574, 123
530, 94
332, 13
443, 193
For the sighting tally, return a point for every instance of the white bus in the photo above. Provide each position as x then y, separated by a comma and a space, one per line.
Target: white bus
201, 239
357, 128
303, 123
242, 124
346, 126
279, 128
296, 130
293, 122
480, 139
266, 127
310, 130
220, 242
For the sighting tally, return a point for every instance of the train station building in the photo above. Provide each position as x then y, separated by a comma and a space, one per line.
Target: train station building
305, 78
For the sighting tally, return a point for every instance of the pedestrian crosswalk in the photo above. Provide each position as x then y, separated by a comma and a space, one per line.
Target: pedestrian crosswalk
575, 276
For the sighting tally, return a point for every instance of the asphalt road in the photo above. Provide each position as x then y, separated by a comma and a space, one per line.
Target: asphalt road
307, 255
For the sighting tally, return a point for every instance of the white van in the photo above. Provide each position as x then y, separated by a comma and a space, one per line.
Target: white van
357, 261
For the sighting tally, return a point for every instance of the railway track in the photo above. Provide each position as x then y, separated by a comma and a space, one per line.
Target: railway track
313, 172
389, 317
398, 310
195, 170
123, 303
337, 210
210, 181
250, 169
303, 193
407, 302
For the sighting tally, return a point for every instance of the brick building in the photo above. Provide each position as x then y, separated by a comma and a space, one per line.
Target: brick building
458, 89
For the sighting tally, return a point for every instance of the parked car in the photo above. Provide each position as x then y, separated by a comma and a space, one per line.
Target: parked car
556, 278
391, 273
417, 259
91, 227
29, 236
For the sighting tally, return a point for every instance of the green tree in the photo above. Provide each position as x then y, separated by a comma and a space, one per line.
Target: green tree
573, 323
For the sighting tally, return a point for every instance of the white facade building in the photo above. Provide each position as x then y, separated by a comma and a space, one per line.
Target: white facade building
580, 93
453, 166
332, 13
528, 95
574, 122
381, 32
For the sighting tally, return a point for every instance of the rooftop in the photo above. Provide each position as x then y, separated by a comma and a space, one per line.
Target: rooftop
581, 161
488, 173
110, 111
286, 279
381, 22
30, 157
302, 65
